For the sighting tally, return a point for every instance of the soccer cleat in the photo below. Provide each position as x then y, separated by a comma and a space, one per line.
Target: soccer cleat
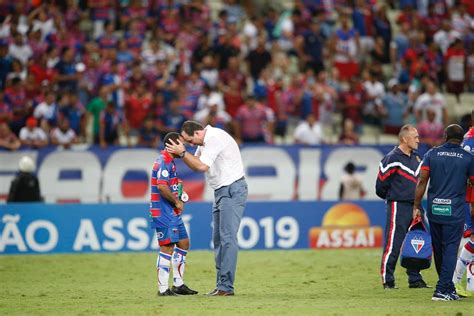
419, 285
461, 290
390, 286
168, 292
438, 296
183, 290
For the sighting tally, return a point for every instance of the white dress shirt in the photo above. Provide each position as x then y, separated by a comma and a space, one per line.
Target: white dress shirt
221, 154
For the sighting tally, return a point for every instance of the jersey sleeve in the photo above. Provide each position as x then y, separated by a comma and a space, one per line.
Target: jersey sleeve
163, 174
425, 164
386, 170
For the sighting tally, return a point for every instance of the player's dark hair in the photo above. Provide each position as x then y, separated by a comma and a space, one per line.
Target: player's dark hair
189, 127
454, 133
173, 136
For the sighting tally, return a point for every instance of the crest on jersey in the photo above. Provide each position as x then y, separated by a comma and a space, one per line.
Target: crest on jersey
417, 244
165, 173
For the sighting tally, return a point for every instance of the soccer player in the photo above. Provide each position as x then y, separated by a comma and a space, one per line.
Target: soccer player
165, 212
449, 167
466, 256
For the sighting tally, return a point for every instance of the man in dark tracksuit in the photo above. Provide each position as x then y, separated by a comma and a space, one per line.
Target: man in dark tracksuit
396, 184
449, 167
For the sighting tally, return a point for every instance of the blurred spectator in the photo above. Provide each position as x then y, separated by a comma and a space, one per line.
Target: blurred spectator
15, 97
5, 110
252, 122
25, 186
373, 109
5, 63
455, 68
94, 109
434, 100
137, 107
63, 135
20, 50
348, 135
8, 139
351, 187
430, 131
149, 136
109, 124
47, 112
396, 109
308, 132
258, 58
171, 120
345, 49
74, 111
352, 103
33, 136
324, 101
214, 114
67, 77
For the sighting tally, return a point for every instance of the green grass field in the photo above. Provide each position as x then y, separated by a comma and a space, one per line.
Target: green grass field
306, 282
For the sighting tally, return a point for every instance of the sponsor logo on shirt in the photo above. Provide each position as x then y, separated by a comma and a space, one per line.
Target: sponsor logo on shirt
442, 201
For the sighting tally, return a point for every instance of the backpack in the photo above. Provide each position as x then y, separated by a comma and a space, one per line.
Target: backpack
416, 249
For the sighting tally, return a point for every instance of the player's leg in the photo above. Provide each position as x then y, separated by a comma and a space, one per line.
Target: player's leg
466, 257
394, 234
216, 241
163, 262
451, 236
179, 263
231, 207
466, 253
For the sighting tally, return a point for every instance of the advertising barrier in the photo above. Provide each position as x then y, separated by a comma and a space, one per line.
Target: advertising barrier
117, 174
78, 228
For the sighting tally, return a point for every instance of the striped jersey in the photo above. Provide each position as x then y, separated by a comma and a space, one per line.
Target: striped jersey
162, 212
397, 177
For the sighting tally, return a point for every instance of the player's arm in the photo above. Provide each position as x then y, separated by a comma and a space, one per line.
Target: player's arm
420, 191
384, 178
191, 161
166, 193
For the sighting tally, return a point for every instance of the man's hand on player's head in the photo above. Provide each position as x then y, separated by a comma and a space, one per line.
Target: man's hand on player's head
175, 148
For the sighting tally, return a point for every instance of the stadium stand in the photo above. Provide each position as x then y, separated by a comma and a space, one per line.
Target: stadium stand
153, 60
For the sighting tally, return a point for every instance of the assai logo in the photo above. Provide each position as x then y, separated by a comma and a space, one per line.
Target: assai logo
417, 243
345, 225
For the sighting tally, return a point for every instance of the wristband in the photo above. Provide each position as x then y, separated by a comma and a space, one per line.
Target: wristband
181, 155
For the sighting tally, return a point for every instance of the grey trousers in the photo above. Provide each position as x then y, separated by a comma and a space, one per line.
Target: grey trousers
227, 211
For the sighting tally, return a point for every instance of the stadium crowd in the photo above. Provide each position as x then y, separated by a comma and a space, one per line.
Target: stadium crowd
138, 69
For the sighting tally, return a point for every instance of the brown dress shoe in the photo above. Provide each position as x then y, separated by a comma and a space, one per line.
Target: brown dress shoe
222, 293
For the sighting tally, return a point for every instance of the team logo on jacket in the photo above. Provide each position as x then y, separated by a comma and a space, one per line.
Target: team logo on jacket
417, 244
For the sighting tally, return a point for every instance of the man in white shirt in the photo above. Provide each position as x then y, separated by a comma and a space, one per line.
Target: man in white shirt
32, 135
308, 132
434, 100
219, 156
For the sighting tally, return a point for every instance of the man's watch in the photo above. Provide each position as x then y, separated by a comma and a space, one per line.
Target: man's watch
181, 155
